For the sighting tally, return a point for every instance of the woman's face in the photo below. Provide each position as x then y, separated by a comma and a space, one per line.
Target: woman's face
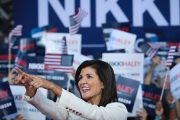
90, 85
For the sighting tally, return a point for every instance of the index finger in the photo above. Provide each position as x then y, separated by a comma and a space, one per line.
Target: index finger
20, 71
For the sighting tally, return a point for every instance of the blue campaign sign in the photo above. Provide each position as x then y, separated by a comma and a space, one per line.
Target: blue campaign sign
127, 90
7, 104
145, 16
150, 97
35, 66
4, 61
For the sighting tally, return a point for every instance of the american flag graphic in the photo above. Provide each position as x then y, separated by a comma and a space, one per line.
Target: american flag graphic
59, 62
150, 49
170, 56
75, 21
15, 32
153, 49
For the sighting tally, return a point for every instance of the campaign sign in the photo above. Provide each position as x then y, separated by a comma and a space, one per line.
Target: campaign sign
4, 61
27, 45
121, 40
7, 104
27, 111
150, 97
35, 66
129, 66
127, 91
108, 28
57, 77
174, 81
56, 40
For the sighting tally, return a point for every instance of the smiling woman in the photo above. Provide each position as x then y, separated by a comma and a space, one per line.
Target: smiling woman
96, 83
99, 76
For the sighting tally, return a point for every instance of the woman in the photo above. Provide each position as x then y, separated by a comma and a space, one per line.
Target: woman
94, 79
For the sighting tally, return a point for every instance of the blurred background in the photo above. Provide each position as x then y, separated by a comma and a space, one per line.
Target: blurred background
139, 38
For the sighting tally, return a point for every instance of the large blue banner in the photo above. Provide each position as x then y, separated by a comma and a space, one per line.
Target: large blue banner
145, 16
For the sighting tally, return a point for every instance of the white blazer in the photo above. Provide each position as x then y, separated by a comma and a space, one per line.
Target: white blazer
70, 107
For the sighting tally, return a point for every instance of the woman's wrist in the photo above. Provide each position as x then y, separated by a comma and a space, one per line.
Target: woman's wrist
30, 91
30, 94
56, 89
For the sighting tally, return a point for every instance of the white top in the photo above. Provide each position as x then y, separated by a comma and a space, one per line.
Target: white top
70, 107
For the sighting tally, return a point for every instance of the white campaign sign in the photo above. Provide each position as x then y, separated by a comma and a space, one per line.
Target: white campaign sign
121, 40
130, 66
53, 41
25, 109
175, 81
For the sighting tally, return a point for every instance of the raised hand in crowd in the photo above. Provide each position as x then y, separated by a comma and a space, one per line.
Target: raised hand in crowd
178, 109
159, 110
142, 114
148, 77
19, 117
172, 105
156, 60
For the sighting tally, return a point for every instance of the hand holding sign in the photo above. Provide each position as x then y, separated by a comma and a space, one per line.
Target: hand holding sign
159, 108
142, 114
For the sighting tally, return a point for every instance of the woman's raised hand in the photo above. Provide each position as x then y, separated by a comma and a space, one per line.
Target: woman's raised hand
26, 80
40, 82
32, 83
32, 80
21, 78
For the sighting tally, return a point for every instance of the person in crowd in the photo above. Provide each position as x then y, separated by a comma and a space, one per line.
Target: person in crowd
178, 109
177, 102
155, 84
166, 108
149, 75
172, 105
19, 117
95, 80
142, 114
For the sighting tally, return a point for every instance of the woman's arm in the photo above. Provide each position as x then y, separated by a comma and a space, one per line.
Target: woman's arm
75, 105
48, 107
37, 99
32, 83
41, 82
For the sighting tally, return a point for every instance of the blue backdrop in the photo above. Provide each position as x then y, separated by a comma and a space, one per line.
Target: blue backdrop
160, 16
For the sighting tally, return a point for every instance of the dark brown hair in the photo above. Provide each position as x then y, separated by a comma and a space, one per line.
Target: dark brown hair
106, 75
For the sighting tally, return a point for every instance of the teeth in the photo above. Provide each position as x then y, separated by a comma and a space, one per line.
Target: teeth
85, 88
